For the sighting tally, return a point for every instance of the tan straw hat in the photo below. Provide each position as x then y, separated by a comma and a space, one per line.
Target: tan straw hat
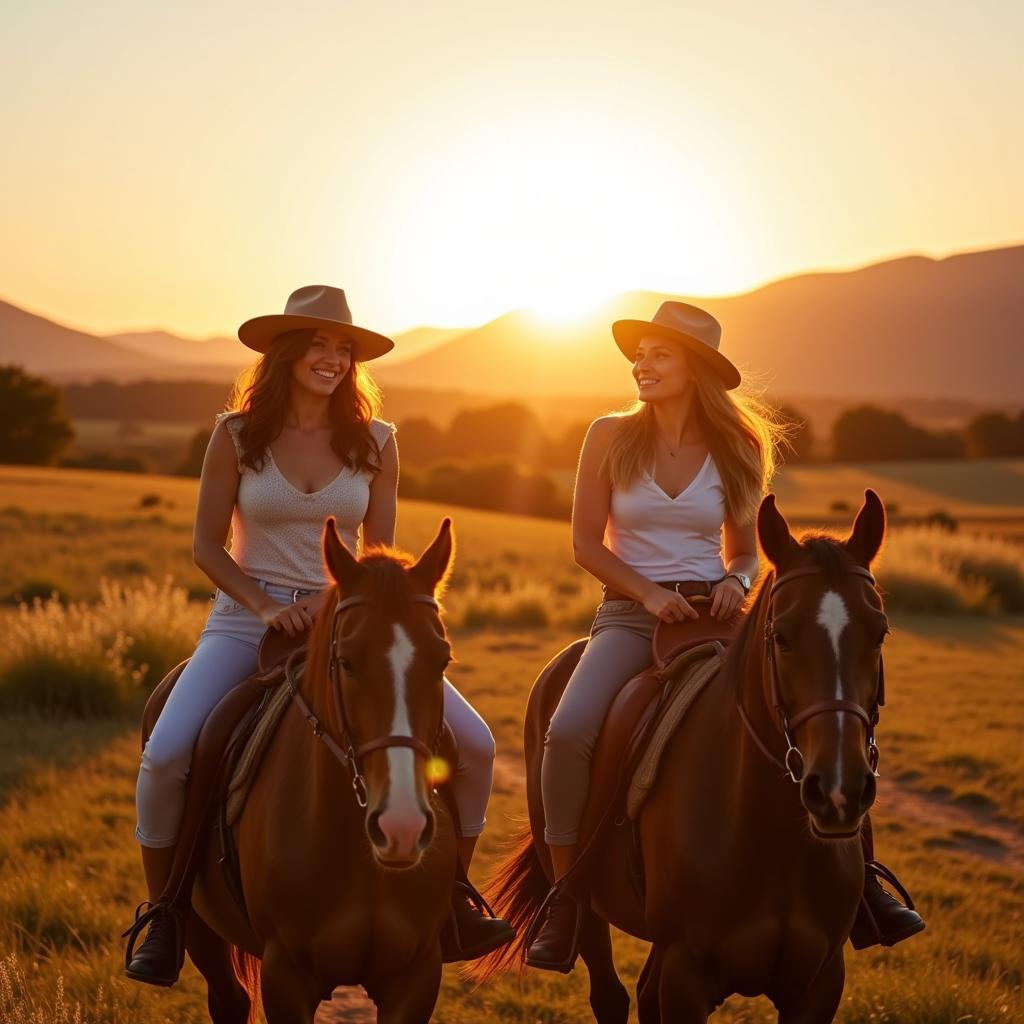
316, 305
694, 328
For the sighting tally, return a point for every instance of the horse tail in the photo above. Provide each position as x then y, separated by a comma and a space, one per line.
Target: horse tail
248, 971
516, 890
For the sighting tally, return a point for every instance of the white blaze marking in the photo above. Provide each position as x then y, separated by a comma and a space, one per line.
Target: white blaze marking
401, 760
833, 616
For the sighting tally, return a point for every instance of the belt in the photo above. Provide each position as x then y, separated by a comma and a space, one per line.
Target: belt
687, 588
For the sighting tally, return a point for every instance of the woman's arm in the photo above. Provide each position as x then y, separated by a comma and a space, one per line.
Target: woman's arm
590, 507
740, 552
379, 521
218, 490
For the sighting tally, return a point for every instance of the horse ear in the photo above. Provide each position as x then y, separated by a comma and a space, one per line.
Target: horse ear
435, 563
868, 530
340, 561
773, 532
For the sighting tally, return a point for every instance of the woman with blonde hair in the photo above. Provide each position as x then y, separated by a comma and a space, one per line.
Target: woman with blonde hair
664, 509
305, 442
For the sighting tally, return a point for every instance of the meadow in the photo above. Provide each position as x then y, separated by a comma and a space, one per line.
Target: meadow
950, 815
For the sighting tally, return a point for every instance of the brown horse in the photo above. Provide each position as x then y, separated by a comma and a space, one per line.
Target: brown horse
347, 858
750, 882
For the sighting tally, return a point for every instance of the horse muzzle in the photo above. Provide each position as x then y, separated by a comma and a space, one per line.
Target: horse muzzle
399, 838
836, 807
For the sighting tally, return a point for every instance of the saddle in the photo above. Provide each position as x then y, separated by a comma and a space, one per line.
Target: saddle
647, 711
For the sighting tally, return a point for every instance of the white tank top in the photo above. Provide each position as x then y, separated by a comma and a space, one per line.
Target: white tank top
277, 530
665, 538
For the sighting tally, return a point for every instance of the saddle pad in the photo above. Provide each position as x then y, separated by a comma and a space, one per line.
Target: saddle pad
687, 675
252, 753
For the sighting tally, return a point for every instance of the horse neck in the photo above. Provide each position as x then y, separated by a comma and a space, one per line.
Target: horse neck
749, 669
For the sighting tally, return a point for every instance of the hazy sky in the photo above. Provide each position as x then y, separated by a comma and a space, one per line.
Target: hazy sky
186, 164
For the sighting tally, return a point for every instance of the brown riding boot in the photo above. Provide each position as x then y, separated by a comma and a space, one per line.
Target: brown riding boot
472, 930
159, 959
557, 942
881, 918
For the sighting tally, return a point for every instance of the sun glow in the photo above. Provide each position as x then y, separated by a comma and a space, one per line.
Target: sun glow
558, 223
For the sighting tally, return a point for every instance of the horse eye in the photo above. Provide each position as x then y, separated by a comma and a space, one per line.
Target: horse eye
780, 639
346, 665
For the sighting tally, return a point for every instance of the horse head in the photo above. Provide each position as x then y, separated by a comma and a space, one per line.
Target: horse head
388, 653
823, 630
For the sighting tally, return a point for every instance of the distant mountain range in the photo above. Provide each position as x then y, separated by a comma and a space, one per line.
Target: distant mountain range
913, 327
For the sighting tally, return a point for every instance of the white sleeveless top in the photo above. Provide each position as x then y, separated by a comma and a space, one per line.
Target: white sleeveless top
277, 530
665, 538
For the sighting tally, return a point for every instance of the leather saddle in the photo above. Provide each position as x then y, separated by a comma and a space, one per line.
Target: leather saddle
633, 717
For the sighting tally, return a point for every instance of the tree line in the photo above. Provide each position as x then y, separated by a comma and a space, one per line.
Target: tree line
500, 456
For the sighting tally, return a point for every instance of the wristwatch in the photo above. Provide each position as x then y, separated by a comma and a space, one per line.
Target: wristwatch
744, 580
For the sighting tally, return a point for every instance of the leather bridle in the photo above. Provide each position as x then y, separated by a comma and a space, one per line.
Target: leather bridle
793, 761
349, 750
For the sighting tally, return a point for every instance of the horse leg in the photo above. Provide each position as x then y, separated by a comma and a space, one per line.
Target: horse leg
225, 996
648, 1006
681, 991
819, 1002
608, 996
410, 998
289, 996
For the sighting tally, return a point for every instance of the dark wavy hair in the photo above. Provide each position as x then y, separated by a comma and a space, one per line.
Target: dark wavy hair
261, 395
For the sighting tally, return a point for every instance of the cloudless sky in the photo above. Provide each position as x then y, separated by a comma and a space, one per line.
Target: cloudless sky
186, 165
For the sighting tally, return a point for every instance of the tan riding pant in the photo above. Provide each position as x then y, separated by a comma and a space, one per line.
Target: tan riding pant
619, 648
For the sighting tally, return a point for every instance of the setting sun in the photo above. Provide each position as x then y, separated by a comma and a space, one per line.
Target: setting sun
558, 222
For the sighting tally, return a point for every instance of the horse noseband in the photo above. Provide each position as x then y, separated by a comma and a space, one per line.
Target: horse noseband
793, 761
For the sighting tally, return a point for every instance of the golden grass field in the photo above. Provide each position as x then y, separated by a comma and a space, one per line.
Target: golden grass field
950, 815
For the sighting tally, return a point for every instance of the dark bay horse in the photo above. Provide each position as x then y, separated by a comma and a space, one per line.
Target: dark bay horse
752, 862
347, 858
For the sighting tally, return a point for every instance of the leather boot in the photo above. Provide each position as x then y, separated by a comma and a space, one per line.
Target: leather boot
472, 930
881, 918
158, 960
557, 942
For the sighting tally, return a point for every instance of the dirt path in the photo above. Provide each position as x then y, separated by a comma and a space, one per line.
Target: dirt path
954, 827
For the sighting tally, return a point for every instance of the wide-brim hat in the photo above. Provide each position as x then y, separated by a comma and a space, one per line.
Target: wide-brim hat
317, 306
691, 326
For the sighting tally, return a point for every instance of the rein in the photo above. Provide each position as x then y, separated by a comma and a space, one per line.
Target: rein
793, 761
349, 751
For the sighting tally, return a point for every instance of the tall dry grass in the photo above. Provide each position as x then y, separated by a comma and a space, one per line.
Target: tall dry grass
87, 659
930, 569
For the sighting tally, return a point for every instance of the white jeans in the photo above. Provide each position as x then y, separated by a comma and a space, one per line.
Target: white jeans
224, 656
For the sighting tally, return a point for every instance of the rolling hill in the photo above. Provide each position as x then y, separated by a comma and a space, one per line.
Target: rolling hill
913, 327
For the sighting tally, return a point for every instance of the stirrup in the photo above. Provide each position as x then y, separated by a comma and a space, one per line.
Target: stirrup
143, 918
879, 870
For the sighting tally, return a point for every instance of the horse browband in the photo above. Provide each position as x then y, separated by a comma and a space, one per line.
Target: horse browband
351, 752
793, 762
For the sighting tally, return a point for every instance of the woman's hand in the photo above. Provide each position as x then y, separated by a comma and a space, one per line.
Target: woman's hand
669, 606
289, 618
727, 597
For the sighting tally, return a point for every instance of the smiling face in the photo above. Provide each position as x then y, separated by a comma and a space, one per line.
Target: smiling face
661, 369
324, 364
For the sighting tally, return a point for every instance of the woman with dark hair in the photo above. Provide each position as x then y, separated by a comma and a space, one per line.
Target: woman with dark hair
664, 509
303, 443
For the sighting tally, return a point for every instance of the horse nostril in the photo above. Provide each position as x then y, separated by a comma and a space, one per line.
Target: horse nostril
427, 835
374, 831
869, 792
813, 795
